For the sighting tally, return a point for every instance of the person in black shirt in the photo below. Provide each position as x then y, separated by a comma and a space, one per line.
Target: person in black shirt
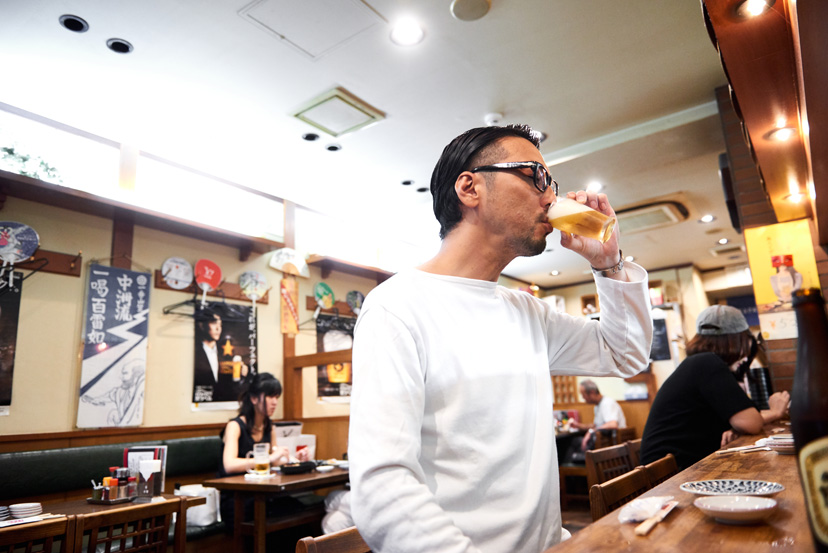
702, 405
258, 402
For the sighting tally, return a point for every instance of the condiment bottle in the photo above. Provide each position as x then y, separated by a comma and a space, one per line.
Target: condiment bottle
809, 408
132, 487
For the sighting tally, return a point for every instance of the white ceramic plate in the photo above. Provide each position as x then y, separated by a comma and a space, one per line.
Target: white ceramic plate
324, 468
736, 509
732, 487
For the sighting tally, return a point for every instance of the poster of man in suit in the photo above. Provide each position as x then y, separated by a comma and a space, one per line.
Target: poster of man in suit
225, 351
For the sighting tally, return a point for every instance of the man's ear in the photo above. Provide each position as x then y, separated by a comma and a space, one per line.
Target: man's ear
466, 188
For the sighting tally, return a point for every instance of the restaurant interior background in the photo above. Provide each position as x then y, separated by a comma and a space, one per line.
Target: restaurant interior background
194, 144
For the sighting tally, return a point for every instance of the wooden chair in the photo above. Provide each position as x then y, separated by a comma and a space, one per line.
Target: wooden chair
128, 530
567, 494
611, 494
344, 541
660, 470
613, 436
607, 463
40, 537
634, 447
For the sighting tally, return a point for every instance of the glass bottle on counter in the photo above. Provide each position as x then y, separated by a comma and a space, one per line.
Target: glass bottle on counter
809, 409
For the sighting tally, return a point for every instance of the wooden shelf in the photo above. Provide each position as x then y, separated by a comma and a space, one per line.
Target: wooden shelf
36, 190
328, 264
57, 263
226, 290
339, 308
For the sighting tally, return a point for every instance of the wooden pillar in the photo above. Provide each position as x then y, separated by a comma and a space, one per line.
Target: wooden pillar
123, 229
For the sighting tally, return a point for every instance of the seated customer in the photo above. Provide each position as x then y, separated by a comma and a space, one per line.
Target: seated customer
702, 406
608, 413
257, 404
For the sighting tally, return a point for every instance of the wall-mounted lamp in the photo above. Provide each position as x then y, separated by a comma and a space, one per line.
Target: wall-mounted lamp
752, 8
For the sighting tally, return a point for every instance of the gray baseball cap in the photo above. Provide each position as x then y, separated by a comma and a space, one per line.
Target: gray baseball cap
721, 319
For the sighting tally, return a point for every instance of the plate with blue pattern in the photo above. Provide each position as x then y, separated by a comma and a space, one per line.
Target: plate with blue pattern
732, 487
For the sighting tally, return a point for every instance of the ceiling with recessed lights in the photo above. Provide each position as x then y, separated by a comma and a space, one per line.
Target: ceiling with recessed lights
624, 92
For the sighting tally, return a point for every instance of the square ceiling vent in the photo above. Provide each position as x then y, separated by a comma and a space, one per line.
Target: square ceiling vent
338, 112
313, 27
651, 216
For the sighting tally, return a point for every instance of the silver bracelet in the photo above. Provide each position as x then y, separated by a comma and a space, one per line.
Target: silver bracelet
615, 269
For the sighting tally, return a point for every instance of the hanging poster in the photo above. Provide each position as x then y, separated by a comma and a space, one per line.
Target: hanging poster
9, 313
288, 300
781, 261
114, 348
334, 333
225, 352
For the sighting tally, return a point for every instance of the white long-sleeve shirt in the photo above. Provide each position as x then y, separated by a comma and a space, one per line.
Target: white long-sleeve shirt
452, 442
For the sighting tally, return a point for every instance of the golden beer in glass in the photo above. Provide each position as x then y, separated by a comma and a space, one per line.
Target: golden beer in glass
570, 216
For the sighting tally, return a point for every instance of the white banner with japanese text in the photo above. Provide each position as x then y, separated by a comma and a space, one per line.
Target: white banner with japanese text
114, 348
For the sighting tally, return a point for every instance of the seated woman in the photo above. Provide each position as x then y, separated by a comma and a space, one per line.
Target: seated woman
702, 406
257, 404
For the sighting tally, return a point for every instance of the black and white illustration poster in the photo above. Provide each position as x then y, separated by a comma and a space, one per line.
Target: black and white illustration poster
114, 348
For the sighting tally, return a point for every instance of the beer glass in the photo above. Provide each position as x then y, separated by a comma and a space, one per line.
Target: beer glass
570, 216
261, 459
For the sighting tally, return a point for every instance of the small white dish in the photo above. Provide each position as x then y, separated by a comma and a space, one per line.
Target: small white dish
736, 509
324, 468
732, 487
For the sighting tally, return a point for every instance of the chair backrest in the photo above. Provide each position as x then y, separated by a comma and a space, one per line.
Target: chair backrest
606, 437
660, 470
344, 541
607, 463
611, 494
127, 530
634, 447
40, 537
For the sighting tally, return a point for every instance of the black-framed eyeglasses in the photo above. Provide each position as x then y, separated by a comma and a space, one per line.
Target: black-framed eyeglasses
540, 175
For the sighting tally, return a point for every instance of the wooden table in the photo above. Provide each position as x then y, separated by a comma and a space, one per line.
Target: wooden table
82, 507
687, 529
279, 484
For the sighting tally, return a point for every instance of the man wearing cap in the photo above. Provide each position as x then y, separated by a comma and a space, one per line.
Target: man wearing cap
701, 405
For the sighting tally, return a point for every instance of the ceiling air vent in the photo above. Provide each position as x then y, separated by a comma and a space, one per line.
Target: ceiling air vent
727, 250
650, 216
338, 112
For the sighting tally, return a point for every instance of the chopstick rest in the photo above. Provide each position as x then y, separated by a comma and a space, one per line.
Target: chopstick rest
644, 528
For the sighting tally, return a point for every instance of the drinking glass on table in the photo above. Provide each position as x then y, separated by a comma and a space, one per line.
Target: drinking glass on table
261, 459
573, 217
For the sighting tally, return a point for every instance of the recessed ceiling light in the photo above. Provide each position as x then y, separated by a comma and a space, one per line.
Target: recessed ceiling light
310, 136
407, 32
629, 258
333, 147
554, 273
74, 23
723, 241
752, 8
594, 186
119, 45
407, 182
708, 218
422, 189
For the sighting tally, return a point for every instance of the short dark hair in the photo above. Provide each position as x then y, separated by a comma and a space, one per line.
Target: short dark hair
730, 347
462, 154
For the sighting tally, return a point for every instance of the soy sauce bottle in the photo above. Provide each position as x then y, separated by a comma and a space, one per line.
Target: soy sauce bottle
809, 409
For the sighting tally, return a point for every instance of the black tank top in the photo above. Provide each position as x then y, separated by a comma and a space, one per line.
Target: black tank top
245, 442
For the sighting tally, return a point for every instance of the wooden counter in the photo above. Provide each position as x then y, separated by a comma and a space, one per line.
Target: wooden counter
687, 529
